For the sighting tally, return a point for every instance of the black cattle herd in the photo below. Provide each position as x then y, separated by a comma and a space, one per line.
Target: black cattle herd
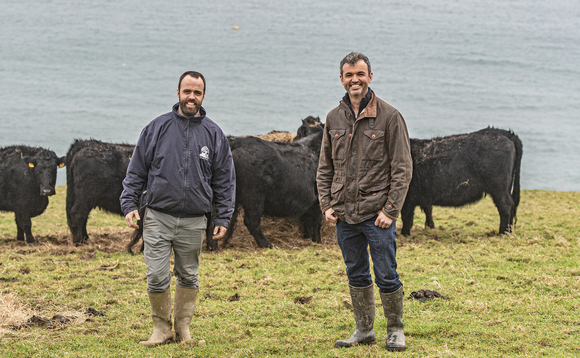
276, 179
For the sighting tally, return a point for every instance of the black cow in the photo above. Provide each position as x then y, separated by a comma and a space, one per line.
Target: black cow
310, 125
460, 169
27, 179
95, 173
277, 179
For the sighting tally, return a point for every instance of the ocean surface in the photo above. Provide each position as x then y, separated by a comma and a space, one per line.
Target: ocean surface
104, 69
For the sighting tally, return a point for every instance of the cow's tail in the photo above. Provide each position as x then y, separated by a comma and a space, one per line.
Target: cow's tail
516, 174
232, 226
137, 234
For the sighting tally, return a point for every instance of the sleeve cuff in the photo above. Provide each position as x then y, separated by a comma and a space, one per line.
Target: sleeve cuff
390, 216
131, 209
220, 223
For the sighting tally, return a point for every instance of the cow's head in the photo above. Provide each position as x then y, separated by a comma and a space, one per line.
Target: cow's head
43, 166
310, 125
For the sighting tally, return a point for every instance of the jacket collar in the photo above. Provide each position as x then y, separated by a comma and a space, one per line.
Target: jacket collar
368, 105
197, 119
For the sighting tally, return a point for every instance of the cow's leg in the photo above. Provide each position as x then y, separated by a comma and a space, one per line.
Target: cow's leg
307, 225
407, 215
252, 218
504, 204
428, 210
19, 229
78, 225
315, 221
24, 227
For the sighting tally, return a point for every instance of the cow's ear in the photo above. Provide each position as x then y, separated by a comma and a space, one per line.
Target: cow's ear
61, 162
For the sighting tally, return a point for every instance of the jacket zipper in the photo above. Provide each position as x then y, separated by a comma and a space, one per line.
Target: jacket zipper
186, 166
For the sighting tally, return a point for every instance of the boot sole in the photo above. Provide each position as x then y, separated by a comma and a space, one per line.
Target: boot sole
396, 349
348, 345
147, 344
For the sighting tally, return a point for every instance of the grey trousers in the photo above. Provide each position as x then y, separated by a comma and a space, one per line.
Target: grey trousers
161, 234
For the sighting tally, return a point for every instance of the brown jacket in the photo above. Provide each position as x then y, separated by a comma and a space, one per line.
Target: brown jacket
365, 165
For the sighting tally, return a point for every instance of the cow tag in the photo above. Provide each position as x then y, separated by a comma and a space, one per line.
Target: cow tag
61, 165
31, 165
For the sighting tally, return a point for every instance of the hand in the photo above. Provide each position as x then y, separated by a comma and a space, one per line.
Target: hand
129, 219
383, 221
331, 216
219, 232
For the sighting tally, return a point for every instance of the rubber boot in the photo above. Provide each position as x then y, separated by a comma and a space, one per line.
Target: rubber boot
363, 307
393, 309
161, 315
183, 311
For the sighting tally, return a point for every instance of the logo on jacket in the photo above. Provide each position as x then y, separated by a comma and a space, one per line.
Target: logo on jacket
204, 154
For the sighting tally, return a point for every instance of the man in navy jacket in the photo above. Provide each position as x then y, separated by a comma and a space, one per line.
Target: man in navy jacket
182, 164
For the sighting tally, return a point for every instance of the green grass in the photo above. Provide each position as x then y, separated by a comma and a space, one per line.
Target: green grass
513, 295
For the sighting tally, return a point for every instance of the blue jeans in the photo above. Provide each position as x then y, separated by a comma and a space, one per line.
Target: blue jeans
355, 240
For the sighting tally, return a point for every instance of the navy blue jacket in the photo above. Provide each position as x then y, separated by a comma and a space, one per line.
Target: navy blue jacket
179, 167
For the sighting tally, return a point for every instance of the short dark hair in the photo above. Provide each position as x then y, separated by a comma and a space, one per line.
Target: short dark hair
353, 58
193, 74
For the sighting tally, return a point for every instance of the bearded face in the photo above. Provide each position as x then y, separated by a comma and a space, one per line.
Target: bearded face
191, 94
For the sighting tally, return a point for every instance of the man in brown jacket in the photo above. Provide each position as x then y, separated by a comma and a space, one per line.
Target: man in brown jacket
363, 175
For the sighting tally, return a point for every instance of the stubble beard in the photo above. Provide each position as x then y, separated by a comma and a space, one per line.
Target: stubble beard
187, 112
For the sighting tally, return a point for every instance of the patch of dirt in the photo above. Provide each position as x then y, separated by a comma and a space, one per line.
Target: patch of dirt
425, 295
58, 320
26, 252
303, 300
93, 312
9, 279
235, 297
108, 240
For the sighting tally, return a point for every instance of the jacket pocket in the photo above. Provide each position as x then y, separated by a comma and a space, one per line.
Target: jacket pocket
373, 196
339, 143
373, 144
336, 194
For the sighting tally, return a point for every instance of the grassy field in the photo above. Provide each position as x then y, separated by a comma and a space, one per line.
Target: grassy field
513, 295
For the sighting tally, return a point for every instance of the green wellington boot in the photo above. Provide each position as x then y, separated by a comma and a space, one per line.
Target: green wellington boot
363, 307
183, 311
393, 309
161, 315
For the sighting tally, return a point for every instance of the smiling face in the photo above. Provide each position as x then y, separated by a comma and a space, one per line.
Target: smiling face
356, 79
191, 94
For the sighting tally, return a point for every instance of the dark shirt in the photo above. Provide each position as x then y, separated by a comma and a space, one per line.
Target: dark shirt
363, 103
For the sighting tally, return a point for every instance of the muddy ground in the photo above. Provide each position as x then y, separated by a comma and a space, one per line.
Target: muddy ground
282, 233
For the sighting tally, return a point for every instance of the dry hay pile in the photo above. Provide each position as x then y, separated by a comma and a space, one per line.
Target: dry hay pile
278, 136
12, 312
282, 233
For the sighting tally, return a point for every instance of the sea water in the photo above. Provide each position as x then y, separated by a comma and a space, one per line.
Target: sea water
104, 69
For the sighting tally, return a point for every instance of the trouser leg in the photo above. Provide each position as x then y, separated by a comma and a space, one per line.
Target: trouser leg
158, 232
187, 248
